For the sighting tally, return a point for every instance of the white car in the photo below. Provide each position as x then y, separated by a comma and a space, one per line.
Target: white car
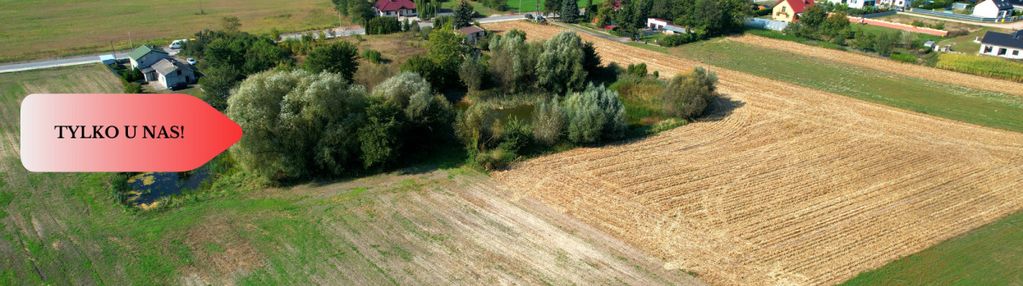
191, 61
177, 44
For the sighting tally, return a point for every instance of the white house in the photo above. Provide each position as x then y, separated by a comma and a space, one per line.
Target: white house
857, 4
993, 9
895, 4
997, 44
173, 74
658, 24
142, 58
395, 8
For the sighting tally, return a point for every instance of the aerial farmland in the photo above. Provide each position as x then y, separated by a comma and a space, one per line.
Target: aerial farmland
404, 142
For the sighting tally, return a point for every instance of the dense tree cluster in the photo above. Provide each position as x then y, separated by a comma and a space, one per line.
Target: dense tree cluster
228, 56
338, 57
300, 124
687, 96
704, 17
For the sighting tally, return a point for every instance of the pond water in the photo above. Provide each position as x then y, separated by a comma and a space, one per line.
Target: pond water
151, 186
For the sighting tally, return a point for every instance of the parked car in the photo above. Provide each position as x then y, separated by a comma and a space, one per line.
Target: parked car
191, 61
178, 44
529, 16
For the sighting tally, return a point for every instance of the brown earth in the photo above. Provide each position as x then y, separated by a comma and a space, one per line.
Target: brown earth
886, 65
782, 184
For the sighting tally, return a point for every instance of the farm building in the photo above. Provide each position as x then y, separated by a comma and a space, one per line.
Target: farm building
472, 33
1002, 45
857, 4
664, 26
142, 58
789, 10
395, 8
173, 74
993, 9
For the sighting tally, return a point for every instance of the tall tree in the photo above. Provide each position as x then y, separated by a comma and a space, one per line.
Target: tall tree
340, 57
560, 67
569, 11
463, 15
552, 6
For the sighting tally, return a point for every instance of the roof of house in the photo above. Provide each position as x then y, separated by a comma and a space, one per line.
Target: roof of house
1001, 4
167, 66
798, 5
142, 51
394, 5
1014, 40
470, 30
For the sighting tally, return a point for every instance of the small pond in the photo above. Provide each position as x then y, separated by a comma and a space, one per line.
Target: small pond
151, 186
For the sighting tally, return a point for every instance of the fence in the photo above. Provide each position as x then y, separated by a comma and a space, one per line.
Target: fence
955, 16
765, 24
898, 26
880, 14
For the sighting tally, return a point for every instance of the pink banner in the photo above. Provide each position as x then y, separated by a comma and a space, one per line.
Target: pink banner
121, 132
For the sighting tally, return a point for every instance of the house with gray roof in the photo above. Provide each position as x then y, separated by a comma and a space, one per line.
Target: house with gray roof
993, 9
1004, 45
172, 74
143, 58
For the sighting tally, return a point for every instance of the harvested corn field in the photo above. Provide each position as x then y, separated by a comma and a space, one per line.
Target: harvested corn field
782, 184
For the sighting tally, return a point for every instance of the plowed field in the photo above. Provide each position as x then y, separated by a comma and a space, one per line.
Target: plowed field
782, 184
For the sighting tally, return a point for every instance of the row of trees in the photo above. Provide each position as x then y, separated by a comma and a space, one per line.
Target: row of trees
558, 65
822, 22
704, 17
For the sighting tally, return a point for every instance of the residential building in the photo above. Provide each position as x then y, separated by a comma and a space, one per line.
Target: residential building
172, 73
895, 4
472, 33
789, 10
1002, 45
665, 26
856, 4
395, 8
993, 9
142, 58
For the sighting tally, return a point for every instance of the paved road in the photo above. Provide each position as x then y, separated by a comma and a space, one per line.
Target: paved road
52, 63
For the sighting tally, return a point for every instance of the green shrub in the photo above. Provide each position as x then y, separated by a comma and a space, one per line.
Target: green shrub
906, 58
383, 25
131, 87
636, 70
548, 122
372, 56
676, 40
686, 96
594, 115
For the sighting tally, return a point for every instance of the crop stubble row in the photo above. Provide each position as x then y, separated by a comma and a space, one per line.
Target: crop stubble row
792, 185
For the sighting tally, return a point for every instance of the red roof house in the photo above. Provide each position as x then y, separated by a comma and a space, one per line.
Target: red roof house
394, 8
789, 10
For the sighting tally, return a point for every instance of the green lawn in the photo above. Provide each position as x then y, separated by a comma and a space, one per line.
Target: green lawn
990, 255
36, 29
954, 102
537, 5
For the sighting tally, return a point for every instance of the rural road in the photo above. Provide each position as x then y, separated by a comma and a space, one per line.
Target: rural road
88, 59
52, 63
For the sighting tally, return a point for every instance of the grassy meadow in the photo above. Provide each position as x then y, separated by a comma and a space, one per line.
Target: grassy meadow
987, 256
953, 102
35, 29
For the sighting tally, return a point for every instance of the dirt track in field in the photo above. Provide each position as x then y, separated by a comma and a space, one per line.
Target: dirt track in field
783, 184
886, 65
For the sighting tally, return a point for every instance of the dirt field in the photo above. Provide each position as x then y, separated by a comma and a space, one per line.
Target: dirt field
38, 29
890, 66
784, 184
